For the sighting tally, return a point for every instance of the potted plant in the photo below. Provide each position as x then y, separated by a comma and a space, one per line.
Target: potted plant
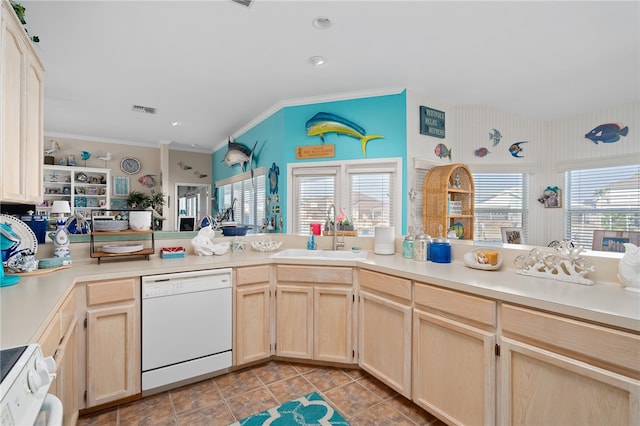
19, 10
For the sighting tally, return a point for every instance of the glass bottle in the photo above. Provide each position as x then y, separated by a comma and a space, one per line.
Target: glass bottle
407, 244
420, 246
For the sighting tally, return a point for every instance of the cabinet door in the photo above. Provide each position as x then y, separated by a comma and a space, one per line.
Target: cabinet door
12, 56
294, 321
332, 324
67, 378
252, 323
385, 341
541, 387
113, 370
453, 369
33, 132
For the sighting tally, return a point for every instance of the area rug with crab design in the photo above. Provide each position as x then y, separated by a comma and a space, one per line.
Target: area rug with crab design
307, 410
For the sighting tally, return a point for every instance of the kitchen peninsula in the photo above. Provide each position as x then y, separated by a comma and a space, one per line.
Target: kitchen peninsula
588, 332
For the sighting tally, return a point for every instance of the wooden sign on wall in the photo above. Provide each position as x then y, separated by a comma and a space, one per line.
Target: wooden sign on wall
315, 151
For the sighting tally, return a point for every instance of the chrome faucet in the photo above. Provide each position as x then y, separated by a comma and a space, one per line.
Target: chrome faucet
330, 218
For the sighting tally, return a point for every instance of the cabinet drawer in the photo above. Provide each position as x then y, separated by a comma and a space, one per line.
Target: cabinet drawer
580, 339
461, 305
252, 274
51, 338
395, 286
111, 291
315, 274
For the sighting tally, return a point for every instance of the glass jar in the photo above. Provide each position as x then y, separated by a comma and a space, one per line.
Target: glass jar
407, 244
420, 247
440, 250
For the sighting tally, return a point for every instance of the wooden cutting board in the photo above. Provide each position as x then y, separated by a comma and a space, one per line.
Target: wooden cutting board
39, 271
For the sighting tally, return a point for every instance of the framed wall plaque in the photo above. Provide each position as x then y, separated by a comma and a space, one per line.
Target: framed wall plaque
432, 122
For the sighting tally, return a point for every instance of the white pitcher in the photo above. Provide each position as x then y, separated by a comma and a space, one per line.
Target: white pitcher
629, 268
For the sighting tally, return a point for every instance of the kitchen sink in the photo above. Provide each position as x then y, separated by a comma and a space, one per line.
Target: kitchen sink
320, 254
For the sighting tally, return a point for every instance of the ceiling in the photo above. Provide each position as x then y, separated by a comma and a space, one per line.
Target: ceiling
215, 65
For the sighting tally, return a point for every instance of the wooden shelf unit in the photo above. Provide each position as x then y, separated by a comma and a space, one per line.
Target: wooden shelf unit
444, 184
145, 237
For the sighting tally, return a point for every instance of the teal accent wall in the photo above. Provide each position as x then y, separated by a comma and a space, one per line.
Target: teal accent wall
280, 134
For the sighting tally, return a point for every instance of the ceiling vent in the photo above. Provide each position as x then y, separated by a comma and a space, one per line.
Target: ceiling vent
144, 109
246, 3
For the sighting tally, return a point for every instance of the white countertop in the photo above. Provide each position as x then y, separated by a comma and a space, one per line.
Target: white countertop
27, 307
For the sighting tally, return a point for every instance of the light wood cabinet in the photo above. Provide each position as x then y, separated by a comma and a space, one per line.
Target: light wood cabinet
60, 342
112, 340
557, 370
314, 313
21, 113
253, 314
384, 348
454, 364
448, 200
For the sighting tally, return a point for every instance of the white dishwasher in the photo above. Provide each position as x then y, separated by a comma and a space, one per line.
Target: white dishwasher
186, 326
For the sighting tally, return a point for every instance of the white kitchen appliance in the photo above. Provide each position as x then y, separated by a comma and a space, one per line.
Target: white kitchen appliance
26, 376
186, 326
384, 240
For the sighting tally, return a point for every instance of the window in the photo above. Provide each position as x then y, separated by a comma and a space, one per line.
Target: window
366, 192
246, 195
500, 201
602, 198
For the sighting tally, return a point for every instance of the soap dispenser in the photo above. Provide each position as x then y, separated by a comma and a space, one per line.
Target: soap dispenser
311, 244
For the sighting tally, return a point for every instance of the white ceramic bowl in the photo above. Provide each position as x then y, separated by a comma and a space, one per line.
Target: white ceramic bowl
140, 220
265, 245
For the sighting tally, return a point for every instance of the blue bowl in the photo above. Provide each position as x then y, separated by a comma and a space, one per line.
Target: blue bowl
235, 231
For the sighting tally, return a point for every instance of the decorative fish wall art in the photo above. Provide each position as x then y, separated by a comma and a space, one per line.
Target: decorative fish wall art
481, 152
238, 153
495, 136
147, 180
515, 149
325, 122
442, 151
607, 133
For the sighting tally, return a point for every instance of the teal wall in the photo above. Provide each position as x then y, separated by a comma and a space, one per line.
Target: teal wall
280, 134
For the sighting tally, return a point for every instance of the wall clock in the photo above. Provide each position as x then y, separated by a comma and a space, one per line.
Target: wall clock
130, 165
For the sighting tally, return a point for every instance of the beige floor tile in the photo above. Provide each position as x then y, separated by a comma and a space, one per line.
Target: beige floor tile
381, 415
355, 373
237, 383
412, 411
251, 402
327, 379
292, 388
274, 372
303, 368
377, 387
152, 410
103, 418
196, 396
213, 415
352, 399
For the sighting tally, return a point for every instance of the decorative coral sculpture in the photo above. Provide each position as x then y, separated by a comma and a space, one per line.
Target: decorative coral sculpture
563, 263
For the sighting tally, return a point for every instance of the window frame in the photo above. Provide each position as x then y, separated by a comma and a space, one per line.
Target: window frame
257, 203
344, 169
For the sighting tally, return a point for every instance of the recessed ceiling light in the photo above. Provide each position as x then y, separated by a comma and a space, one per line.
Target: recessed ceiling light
322, 22
176, 123
318, 60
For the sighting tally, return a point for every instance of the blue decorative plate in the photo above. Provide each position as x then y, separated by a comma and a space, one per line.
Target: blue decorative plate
28, 239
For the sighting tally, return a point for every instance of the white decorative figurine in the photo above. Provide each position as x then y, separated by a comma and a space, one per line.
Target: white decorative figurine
203, 246
629, 268
564, 263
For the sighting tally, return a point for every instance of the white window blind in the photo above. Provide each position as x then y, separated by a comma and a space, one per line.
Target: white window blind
500, 201
246, 195
603, 198
367, 191
371, 199
314, 192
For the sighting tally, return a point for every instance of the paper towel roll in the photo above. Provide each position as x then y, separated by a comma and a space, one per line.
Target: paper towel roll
384, 240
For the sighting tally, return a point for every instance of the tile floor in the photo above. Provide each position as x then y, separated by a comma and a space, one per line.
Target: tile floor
360, 398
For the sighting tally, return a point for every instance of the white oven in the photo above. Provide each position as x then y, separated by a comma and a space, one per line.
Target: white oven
186, 326
24, 398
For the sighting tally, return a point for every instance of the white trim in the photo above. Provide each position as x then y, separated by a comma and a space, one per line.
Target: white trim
98, 139
598, 163
307, 101
240, 177
344, 166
